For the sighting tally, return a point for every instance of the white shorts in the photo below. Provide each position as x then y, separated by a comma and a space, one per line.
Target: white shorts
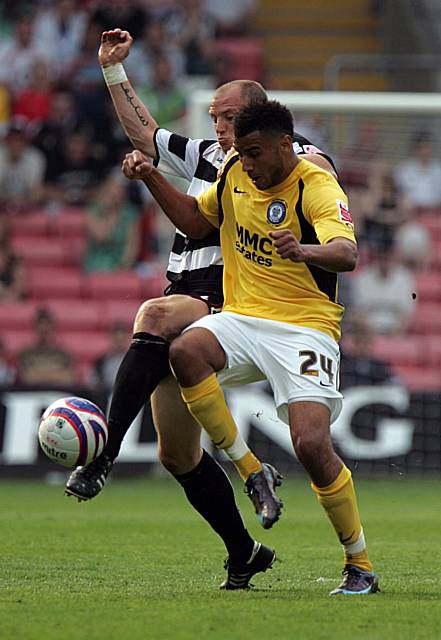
300, 364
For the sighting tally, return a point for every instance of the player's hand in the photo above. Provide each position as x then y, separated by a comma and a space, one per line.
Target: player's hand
115, 47
287, 245
136, 166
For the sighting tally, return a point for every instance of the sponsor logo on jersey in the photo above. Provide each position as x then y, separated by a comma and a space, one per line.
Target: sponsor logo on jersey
276, 212
250, 245
344, 213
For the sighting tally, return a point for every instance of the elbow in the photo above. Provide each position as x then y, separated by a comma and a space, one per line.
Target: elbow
351, 257
196, 232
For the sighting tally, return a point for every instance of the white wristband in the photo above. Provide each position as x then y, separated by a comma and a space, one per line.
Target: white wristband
114, 74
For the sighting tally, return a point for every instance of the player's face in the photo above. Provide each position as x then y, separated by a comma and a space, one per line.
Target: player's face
223, 109
265, 158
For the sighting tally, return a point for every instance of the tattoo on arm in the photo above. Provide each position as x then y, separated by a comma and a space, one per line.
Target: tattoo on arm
136, 108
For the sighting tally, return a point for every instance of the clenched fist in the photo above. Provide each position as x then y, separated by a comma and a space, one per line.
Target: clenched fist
287, 245
115, 47
136, 166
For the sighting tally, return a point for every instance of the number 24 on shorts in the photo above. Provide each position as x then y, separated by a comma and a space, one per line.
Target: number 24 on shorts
311, 359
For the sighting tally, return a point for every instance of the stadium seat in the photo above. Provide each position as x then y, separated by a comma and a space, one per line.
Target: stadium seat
55, 282
70, 222
153, 286
85, 346
244, 57
432, 222
419, 378
39, 251
428, 286
36, 223
432, 350
15, 340
427, 318
75, 315
17, 315
116, 285
114, 312
400, 350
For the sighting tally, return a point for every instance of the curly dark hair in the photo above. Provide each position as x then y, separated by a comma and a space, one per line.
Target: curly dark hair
269, 116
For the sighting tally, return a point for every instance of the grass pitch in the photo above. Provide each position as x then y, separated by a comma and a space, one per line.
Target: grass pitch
138, 563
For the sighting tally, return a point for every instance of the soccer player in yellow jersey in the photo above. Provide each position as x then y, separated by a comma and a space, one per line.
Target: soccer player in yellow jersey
286, 232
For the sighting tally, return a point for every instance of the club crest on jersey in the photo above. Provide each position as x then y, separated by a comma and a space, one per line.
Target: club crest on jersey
276, 212
343, 210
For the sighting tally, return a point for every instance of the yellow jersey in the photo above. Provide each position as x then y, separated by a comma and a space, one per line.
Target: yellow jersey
256, 281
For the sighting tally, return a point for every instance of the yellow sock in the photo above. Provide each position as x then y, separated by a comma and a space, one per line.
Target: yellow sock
206, 403
340, 503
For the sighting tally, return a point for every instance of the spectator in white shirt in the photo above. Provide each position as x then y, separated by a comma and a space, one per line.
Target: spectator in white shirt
419, 177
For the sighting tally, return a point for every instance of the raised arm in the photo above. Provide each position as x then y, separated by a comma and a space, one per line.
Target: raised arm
136, 120
180, 208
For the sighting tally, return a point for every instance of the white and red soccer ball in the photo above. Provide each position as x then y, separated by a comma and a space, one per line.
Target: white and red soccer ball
73, 431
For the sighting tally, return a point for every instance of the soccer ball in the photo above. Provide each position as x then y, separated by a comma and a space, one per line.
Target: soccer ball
73, 431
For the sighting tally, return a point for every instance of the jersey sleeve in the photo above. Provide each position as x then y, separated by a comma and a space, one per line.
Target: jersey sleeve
208, 204
326, 208
176, 154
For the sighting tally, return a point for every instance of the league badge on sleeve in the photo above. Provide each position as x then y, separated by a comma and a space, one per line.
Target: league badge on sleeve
276, 212
344, 214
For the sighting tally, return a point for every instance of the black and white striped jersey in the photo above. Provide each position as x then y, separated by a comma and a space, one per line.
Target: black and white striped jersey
195, 266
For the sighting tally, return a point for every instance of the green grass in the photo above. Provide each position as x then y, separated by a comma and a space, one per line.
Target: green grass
138, 563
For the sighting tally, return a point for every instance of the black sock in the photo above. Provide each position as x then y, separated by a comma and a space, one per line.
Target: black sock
209, 490
142, 369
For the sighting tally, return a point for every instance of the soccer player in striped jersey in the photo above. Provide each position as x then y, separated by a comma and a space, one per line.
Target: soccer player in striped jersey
286, 232
195, 274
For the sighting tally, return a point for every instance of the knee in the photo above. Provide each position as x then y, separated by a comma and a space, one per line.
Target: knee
152, 317
177, 464
308, 446
181, 353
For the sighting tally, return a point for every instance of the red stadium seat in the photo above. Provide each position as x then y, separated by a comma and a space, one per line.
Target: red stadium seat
116, 285
153, 286
75, 315
419, 378
55, 282
432, 222
432, 351
428, 286
427, 318
39, 251
17, 315
70, 222
15, 340
244, 57
34, 224
114, 312
85, 346
400, 350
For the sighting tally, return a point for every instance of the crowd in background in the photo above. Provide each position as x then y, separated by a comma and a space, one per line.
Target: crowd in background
61, 146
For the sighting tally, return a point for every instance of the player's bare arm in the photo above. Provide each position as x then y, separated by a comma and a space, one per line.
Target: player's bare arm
321, 162
180, 208
136, 120
339, 254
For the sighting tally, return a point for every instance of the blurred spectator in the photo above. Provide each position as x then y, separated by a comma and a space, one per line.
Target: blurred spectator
22, 168
12, 276
18, 55
189, 25
7, 370
145, 51
61, 28
382, 293
34, 102
61, 121
383, 209
128, 15
232, 16
84, 78
45, 362
73, 175
112, 228
166, 101
358, 366
106, 366
419, 178
413, 245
